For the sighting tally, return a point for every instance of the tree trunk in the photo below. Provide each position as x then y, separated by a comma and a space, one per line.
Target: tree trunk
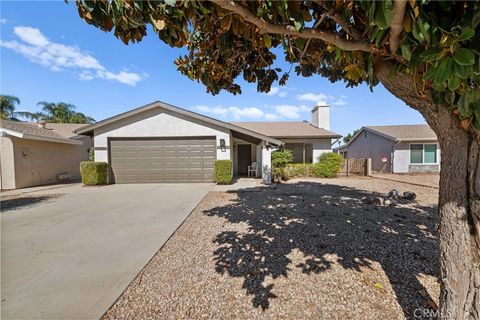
459, 201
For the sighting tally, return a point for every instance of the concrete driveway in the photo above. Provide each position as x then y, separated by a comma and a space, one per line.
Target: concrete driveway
69, 252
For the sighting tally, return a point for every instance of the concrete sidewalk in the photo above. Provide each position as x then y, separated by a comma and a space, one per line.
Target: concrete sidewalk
70, 257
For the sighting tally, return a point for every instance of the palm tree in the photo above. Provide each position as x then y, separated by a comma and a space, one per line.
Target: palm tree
8, 105
61, 112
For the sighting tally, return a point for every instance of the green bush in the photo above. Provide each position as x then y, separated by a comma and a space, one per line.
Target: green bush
91, 154
280, 159
93, 173
223, 171
299, 170
328, 165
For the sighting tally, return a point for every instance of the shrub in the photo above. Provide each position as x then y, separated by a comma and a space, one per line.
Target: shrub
223, 171
280, 159
328, 165
93, 173
299, 170
91, 154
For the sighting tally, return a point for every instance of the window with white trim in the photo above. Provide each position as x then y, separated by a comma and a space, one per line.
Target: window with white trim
423, 153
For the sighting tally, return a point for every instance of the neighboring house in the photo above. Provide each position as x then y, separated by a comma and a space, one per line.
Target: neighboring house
163, 143
397, 149
37, 154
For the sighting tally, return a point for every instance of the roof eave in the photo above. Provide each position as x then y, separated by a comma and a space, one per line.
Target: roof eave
89, 129
39, 138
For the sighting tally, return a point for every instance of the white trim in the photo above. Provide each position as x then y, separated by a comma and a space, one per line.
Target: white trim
423, 155
40, 138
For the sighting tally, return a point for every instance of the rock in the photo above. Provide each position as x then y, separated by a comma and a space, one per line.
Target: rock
376, 201
394, 194
409, 195
390, 202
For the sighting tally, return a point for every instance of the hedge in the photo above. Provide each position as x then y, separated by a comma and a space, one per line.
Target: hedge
93, 173
299, 170
223, 171
328, 165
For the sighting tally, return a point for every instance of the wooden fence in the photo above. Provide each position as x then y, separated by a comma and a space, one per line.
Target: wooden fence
356, 166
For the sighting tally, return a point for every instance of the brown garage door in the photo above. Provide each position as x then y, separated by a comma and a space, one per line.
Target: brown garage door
162, 160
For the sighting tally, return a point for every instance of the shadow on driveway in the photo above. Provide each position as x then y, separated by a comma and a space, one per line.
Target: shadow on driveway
322, 219
21, 202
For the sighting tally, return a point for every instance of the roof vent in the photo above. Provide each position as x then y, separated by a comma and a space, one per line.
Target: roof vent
41, 124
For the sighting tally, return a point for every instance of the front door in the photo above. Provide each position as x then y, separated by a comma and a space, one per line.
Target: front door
244, 158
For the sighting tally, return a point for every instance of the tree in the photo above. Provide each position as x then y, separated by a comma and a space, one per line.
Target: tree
61, 112
346, 139
8, 104
426, 54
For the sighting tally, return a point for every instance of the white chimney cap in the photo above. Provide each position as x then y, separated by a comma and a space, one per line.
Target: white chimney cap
321, 104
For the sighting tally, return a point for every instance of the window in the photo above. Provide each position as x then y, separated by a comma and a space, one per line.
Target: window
423, 153
416, 153
302, 152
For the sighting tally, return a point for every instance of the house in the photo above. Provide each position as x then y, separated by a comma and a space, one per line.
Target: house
159, 142
397, 149
37, 154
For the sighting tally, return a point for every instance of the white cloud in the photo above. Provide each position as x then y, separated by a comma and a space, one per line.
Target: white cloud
339, 102
287, 111
56, 56
3, 21
281, 92
234, 112
271, 116
312, 97
323, 99
273, 91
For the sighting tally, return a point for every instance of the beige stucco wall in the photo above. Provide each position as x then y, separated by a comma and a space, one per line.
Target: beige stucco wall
374, 146
7, 178
40, 162
159, 123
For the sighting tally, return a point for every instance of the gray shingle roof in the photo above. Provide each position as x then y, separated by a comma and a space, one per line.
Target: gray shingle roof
53, 131
288, 129
406, 132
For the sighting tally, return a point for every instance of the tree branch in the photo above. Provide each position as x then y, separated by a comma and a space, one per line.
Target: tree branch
306, 33
396, 28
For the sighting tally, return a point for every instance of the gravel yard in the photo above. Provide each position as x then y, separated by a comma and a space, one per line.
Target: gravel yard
307, 249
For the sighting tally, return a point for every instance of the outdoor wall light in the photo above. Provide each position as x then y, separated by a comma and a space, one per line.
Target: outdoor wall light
268, 146
235, 147
223, 146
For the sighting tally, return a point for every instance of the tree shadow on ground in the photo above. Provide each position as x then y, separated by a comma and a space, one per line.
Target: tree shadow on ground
24, 202
322, 219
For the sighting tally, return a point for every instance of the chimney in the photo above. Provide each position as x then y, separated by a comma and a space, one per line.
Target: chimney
321, 116
41, 124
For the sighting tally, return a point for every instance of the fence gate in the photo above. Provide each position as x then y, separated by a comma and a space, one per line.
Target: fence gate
356, 166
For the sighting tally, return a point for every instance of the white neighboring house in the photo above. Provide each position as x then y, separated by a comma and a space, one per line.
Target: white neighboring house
396, 149
163, 143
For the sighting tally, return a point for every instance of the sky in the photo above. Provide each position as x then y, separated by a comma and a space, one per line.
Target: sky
47, 53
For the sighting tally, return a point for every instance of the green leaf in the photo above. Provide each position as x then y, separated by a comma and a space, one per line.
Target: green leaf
468, 33
267, 40
443, 71
297, 25
453, 82
461, 71
170, 2
464, 56
406, 51
383, 14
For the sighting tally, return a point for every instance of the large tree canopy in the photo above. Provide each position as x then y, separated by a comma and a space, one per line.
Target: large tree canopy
425, 53
436, 43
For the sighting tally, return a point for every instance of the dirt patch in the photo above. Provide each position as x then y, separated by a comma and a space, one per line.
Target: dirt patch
9, 203
302, 250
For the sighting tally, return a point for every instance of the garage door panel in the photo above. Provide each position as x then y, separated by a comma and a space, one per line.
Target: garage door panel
163, 160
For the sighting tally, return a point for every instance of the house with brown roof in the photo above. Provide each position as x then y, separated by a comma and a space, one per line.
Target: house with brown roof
37, 154
159, 142
396, 149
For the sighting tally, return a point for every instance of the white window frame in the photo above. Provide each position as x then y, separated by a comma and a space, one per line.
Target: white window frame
423, 154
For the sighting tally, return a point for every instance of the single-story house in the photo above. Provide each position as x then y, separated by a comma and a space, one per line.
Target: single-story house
159, 142
396, 149
37, 154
